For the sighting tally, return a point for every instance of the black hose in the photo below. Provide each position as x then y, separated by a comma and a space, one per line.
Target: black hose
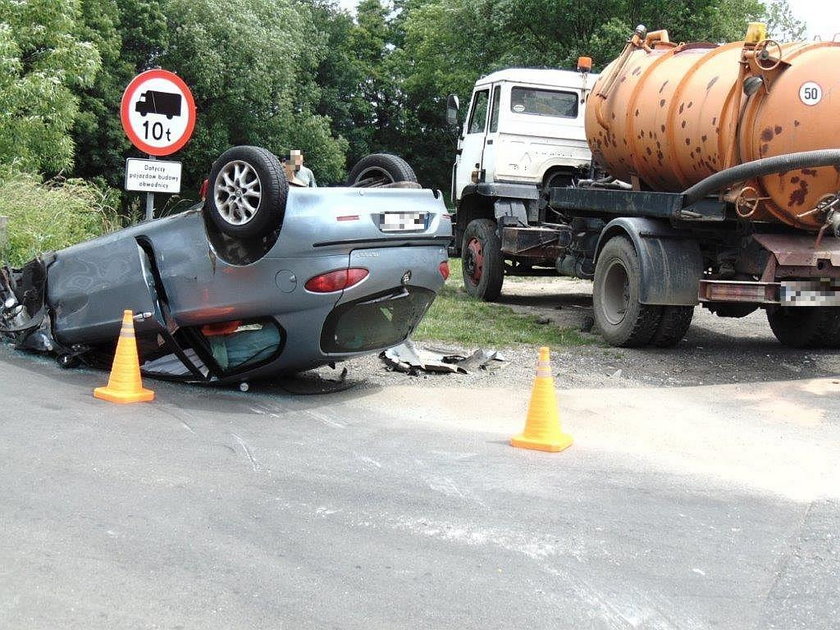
760, 168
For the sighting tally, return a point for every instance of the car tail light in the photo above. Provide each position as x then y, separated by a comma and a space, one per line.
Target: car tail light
444, 269
202, 193
336, 280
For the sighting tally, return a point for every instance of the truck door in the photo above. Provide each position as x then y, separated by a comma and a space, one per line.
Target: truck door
472, 142
488, 158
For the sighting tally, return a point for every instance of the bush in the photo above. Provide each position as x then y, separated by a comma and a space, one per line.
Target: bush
51, 215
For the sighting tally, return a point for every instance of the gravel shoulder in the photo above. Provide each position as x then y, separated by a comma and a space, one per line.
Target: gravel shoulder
715, 351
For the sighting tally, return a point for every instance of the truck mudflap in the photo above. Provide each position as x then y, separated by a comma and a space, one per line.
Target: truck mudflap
671, 264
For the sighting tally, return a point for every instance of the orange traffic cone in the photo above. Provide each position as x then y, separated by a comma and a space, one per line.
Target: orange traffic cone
124, 384
542, 427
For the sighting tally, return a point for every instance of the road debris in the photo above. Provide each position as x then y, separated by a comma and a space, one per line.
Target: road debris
411, 359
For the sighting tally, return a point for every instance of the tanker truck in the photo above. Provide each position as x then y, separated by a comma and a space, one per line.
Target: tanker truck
714, 179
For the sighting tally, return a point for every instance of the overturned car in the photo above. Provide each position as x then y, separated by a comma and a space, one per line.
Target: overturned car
260, 279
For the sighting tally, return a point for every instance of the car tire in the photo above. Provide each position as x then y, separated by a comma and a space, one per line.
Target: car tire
621, 318
380, 169
805, 326
248, 191
482, 263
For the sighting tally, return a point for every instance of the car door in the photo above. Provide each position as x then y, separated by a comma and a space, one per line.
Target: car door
472, 141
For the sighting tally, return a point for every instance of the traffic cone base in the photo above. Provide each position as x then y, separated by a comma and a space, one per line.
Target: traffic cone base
124, 384
563, 441
542, 426
144, 395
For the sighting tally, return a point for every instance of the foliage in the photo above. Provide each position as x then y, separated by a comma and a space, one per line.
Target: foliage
52, 215
42, 62
453, 315
781, 24
250, 71
301, 73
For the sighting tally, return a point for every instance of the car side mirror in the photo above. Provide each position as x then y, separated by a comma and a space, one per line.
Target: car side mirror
452, 105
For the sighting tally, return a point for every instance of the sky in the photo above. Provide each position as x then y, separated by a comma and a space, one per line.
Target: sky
821, 17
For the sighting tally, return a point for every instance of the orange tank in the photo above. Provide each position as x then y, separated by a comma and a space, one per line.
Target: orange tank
667, 116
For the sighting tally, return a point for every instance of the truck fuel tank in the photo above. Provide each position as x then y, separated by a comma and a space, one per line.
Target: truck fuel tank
667, 116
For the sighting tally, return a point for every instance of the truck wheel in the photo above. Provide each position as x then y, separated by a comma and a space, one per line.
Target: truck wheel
482, 263
675, 323
805, 326
249, 190
622, 319
380, 169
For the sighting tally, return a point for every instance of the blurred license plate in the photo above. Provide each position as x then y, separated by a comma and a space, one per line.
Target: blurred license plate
403, 221
809, 293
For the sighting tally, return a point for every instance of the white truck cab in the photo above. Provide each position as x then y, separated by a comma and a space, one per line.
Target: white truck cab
523, 126
523, 135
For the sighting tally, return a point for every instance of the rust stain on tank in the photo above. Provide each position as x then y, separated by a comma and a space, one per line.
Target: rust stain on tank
711, 83
777, 129
767, 135
763, 149
796, 123
809, 172
662, 103
663, 87
682, 107
794, 180
637, 70
797, 197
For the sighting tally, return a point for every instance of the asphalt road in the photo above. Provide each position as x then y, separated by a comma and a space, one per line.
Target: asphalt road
404, 507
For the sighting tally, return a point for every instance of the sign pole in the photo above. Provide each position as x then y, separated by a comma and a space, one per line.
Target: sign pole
150, 201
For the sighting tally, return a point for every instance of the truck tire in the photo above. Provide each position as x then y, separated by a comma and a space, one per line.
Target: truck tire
675, 323
482, 262
248, 192
380, 169
805, 326
622, 319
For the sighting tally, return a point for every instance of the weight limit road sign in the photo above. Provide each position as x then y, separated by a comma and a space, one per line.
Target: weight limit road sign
158, 112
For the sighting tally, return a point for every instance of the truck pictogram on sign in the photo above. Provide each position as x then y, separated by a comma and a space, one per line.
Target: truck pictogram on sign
152, 102
158, 112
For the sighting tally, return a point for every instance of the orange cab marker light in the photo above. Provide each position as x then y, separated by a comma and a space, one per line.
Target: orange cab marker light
444, 269
348, 217
336, 280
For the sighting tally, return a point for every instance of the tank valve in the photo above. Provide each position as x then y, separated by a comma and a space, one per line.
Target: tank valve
830, 204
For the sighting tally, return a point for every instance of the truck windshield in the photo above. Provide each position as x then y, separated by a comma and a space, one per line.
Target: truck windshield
543, 102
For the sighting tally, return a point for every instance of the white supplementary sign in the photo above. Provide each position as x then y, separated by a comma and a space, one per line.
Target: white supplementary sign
154, 176
158, 112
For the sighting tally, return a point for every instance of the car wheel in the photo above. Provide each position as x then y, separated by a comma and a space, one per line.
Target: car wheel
805, 326
248, 192
380, 169
622, 319
482, 262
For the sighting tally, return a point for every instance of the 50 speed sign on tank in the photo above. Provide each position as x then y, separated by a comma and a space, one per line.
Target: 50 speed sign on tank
158, 112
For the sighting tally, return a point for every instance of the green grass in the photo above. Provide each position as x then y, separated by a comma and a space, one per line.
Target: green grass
459, 318
51, 215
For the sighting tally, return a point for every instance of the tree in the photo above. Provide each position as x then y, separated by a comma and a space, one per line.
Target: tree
250, 71
41, 62
781, 24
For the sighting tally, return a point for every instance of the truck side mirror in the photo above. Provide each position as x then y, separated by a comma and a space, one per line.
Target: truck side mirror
452, 105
